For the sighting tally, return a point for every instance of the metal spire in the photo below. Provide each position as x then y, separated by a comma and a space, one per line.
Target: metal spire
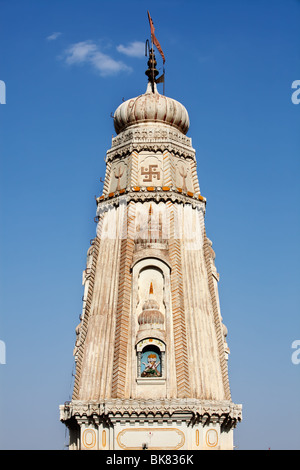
152, 71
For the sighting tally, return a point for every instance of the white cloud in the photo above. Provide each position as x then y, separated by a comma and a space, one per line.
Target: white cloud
87, 52
53, 36
134, 49
80, 52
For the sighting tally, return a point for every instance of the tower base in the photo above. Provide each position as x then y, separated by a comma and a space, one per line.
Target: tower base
174, 424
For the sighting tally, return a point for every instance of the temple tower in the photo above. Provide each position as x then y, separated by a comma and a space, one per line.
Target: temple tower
151, 350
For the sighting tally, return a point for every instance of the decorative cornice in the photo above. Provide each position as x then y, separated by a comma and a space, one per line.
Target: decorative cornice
200, 410
155, 137
157, 194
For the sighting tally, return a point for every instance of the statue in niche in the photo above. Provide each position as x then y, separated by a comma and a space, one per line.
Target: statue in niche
152, 366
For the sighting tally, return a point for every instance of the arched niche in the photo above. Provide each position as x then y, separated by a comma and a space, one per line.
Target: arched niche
144, 272
151, 358
147, 271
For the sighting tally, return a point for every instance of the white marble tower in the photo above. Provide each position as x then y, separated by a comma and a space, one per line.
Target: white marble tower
151, 350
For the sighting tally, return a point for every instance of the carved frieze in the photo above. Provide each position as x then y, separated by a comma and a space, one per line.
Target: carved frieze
205, 411
142, 195
152, 138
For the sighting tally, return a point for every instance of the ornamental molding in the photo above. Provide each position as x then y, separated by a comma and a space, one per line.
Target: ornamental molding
204, 411
156, 194
152, 138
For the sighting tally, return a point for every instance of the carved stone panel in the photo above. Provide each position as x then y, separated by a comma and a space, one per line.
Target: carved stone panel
88, 439
183, 175
163, 438
150, 171
118, 176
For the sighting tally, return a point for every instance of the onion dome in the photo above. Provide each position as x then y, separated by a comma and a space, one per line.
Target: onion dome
151, 107
151, 317
150, 304
151, 313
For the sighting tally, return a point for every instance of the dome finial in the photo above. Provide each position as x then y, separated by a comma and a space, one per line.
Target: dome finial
152, 72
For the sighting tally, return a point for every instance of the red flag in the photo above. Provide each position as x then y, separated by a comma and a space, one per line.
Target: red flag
154, 39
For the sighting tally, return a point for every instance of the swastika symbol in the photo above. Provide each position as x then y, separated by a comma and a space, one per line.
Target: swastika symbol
149, 173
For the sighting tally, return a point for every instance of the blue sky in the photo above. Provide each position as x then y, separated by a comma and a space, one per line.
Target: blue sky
67, 66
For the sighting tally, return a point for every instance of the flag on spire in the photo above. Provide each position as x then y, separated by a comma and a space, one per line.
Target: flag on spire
154, 39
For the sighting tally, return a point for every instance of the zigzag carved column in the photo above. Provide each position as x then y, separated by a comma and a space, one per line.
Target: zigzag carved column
123, 313
217, 320
179, 325
84, 328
